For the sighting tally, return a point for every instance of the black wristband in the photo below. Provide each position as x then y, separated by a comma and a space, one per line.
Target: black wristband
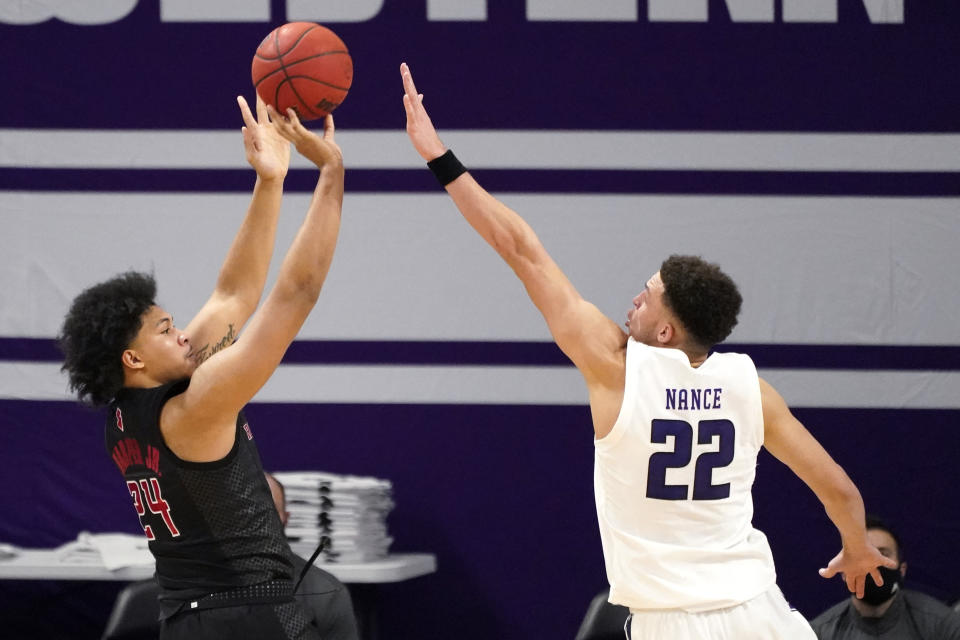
446, 168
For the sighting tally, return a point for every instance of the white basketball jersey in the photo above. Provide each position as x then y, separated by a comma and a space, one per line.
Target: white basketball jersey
673, 484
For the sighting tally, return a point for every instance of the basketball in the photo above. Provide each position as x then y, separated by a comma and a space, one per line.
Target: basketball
305, 66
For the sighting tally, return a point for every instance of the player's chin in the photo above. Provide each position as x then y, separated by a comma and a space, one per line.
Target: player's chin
190, 365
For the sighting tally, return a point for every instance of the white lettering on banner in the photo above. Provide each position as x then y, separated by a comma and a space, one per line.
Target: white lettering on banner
677, 10
750, 10
215, 11
879, 11
579, 11
809, 10
108, 11
88, 13
458, 10
333, 10
884, 11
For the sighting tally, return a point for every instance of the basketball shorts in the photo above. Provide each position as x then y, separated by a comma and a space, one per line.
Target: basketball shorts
285, 621
766, 617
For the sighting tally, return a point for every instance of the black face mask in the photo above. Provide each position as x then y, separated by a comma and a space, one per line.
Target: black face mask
874, 595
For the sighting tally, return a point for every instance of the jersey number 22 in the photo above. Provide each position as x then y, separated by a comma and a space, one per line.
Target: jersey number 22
682, 432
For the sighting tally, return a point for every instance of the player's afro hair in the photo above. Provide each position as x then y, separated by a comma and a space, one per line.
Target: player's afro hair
702, 296
101, 323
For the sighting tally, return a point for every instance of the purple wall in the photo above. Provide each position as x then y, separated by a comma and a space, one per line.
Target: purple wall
502, 495
509, 72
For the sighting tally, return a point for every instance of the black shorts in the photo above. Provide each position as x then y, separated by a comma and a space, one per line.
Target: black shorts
283, 621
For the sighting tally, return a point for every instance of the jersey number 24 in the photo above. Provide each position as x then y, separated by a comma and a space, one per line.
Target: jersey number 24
149, 494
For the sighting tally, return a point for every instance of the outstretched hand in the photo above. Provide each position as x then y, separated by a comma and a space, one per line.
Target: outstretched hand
855, 566
267, 152
419, 126
322, 151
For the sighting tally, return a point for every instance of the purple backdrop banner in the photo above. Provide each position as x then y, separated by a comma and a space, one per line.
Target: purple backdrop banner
517, 543
509, 69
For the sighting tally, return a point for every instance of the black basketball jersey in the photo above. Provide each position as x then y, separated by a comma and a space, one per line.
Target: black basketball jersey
212, 526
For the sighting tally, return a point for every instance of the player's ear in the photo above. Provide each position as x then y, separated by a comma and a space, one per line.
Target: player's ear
131, 359
666, 333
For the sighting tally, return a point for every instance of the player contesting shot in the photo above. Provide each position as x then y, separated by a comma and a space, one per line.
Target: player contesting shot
677, 431
175, 426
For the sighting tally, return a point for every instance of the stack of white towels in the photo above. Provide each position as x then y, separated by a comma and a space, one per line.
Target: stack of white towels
349, 511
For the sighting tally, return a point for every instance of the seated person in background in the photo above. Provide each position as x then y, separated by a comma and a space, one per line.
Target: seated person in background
889, 611
320, 594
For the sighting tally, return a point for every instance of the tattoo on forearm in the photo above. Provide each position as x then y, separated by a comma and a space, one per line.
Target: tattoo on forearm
206, 350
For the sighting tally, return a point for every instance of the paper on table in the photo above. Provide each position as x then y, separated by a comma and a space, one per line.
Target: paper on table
118, 550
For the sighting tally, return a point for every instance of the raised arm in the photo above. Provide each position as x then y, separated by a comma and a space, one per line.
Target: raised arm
592, 341
790, 442
198, 424
244, 272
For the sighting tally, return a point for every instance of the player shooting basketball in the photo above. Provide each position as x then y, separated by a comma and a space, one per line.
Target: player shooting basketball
175, 426
677, 432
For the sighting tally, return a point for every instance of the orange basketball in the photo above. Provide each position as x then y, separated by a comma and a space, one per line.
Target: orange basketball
305, 66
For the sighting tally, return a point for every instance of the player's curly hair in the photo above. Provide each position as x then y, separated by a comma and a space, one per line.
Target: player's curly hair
704, 298
103, 320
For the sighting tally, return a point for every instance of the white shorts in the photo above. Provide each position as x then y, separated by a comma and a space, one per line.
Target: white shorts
766, 617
